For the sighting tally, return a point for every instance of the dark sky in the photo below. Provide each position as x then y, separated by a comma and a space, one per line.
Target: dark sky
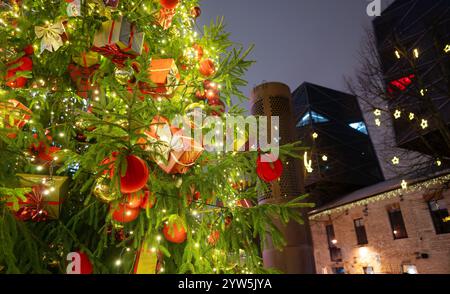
296, 40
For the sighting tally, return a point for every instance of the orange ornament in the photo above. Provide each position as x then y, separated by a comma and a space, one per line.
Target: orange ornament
207, 68
174, 233
124, 214
169, 4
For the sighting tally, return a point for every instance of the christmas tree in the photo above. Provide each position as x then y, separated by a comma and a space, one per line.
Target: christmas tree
95, 174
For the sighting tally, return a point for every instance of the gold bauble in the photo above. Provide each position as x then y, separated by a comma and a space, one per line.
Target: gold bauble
102, 190
123, 75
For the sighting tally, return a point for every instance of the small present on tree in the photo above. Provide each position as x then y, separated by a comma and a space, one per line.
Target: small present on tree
176, 153
19, 70
14, 114
119, 40
165, 75
82, 76
148, 260
166, 17
87, 59
43, 201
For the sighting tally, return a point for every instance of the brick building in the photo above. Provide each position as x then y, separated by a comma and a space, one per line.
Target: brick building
386, 229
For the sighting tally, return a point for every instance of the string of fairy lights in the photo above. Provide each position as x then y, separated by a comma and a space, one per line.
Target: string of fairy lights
403, 190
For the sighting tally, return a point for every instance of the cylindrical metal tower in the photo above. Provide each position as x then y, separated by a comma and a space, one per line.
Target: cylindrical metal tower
274, 99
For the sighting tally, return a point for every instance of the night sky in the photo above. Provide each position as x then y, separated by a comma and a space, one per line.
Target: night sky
296, 40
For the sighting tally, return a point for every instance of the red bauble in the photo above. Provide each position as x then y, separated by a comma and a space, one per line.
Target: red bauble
149, 200
124, 214
196, 12
169, 4
176, 235
213, 238
86, 267
269, 171
134, 200
135, 177
207, 68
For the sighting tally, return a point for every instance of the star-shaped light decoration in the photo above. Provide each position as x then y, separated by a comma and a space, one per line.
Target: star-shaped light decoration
395, 160
411, 116
447, 49
438, 162
423, 92
325, 158
377, 112
397, 54
404, 185
416, 53
424, 124
397, 114
315, 135
378, 122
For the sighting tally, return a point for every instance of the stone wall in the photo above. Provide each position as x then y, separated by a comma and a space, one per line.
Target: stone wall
382, 252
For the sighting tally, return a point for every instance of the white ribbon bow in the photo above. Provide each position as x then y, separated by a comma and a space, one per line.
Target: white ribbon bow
51, 36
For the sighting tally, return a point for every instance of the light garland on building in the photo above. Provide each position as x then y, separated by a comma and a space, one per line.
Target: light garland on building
384, 196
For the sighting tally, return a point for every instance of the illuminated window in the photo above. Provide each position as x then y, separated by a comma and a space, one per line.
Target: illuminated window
401, 84
360, 127
409, 269
311, 117
397, 223
439, 213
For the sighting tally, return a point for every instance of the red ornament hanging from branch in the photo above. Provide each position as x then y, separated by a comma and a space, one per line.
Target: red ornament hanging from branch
269, 169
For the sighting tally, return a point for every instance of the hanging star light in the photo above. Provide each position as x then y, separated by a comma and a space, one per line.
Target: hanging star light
325, 158
397, 114
378, 122
424, 124
411, 116
404, 185
315, 135
416, 53
377, 112
447, 49
438, 162
395, 160
397, 54
423, 91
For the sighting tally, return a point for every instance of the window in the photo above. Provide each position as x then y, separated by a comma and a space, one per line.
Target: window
439, 214
360, 127
360, 229
335, 253
311, 117
368, 270
397, 223
409, 269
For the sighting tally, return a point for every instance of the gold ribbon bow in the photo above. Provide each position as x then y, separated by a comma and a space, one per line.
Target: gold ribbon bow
51, 36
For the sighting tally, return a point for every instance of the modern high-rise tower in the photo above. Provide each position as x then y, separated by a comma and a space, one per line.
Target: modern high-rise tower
274, 99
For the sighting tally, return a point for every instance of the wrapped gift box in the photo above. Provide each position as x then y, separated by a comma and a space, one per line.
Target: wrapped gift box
87, 59
118, 36
164, 73
53, 189
82, 76
147, 261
